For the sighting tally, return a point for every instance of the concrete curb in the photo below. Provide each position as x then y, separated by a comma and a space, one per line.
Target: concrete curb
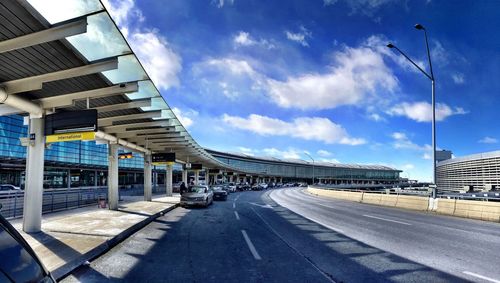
69, 267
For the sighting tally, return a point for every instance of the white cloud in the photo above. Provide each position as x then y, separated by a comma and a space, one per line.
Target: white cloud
161, 62
376, 117
185, 117
422, 111
324, 153
300, 37
316, 128
401, 141
458, 78
221, 3
427, 156
488, 140
356, 78
245, 39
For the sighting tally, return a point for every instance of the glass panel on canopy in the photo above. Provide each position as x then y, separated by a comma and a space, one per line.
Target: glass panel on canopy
55, 11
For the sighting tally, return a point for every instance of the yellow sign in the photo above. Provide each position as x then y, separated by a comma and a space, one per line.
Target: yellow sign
79, 136
163, 163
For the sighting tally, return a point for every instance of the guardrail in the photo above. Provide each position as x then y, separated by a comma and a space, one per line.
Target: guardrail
62, 199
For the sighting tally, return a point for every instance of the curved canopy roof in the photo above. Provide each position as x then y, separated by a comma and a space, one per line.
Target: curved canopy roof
78, 59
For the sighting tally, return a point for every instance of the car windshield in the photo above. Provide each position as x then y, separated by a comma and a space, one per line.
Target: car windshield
197, 189
217, 188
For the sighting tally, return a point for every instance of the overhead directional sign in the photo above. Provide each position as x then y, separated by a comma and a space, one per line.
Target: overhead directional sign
196, 166
81, 136
71, 126
165, 158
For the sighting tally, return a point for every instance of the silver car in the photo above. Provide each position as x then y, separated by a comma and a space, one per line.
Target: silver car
198, 195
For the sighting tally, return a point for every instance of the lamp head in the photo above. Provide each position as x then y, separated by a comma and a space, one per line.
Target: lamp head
419, 26
390, 45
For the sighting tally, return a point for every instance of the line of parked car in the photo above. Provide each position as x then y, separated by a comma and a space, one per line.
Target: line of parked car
203, 195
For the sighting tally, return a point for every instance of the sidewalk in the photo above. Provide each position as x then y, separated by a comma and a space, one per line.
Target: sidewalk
70, 238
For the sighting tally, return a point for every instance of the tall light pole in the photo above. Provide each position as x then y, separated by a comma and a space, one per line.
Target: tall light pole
431, 77
313, 164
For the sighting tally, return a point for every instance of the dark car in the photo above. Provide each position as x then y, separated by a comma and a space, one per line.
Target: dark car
18, 262
220, 193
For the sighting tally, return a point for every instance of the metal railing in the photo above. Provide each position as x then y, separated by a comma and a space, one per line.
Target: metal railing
62, 199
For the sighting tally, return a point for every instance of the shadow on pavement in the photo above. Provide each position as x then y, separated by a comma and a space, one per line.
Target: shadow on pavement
343, 258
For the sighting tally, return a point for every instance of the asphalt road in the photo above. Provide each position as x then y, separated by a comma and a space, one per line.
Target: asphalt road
250, 238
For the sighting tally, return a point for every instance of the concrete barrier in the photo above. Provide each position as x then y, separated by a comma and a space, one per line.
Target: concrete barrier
482, 210
371, 198
413, 202
389, 200
351, 196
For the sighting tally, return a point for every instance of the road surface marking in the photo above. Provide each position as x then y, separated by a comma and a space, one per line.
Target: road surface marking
236, 214
385, 219
237, 198
264, 206
234, 205
481, 276
293, 248
250, 245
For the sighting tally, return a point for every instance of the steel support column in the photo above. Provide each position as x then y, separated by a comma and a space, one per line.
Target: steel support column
113, 176
168, 180
147, 178
33, 194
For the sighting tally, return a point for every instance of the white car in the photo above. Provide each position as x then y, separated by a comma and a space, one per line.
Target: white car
263, 186
232, 187
8, 187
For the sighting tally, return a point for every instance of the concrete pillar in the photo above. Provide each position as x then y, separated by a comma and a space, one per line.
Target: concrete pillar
113, 176
196, 176
168, 179
155, 178
147, 178
185, 177
33, 193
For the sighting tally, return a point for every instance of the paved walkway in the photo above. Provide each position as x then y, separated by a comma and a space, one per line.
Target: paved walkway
70, 238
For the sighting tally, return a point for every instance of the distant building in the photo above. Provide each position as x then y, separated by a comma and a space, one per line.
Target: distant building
481, 171
442, 155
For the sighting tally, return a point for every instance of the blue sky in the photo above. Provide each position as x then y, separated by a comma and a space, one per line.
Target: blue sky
283, 77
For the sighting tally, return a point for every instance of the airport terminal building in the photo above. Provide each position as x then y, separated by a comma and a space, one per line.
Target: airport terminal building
480, 170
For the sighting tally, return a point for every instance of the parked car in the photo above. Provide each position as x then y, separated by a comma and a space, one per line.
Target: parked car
232, 187
198, 195
219, 193
19, 262
264, 186
8, 187
256, 187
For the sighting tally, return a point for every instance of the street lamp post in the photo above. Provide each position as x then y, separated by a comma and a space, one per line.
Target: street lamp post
431, 77
313, 164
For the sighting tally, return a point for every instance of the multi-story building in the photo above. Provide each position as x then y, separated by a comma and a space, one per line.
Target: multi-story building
477, 170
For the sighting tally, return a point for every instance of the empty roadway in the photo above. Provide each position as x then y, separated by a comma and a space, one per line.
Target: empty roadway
250, 238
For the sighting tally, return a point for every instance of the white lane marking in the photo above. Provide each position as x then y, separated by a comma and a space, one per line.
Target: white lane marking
250, 245
292, 247
234, 205
264, 206
385, 219
237, 198
481, 276
237, 215
315, 220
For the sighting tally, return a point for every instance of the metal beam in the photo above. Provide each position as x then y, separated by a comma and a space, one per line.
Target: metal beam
123, 128
35, 82
133, 104
65, 100
50, 34
103, 122
134, 133
156, 139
